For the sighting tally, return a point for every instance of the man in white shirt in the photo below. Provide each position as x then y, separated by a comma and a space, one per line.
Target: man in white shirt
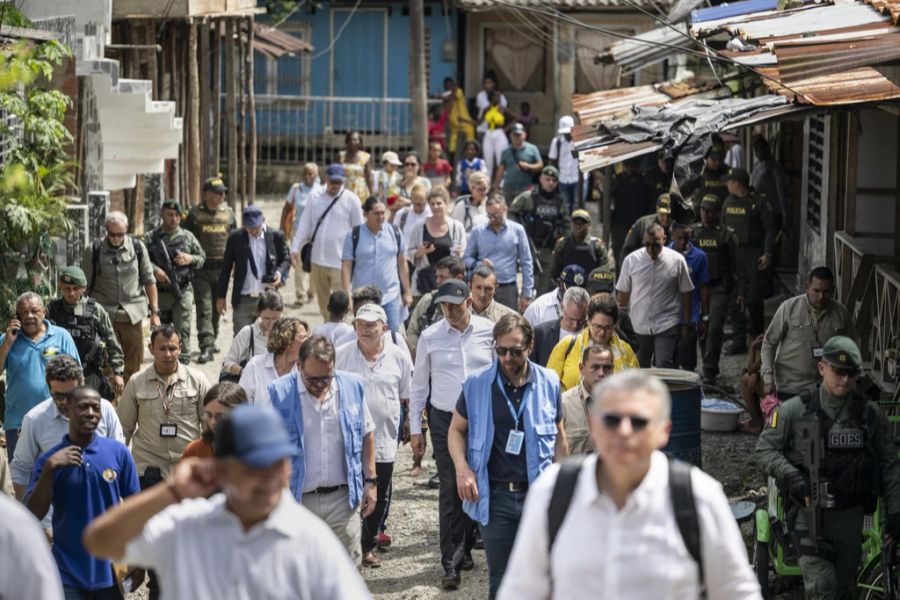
561, 156
386, 372
654, 287
448, 352
327, 219
27, 570
253, 540
640, 552
548, 307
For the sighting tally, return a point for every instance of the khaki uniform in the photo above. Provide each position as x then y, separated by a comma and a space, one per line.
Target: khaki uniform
578, 431
841, 527
173, 309
634, 239
142, 411
494, 311
211, 227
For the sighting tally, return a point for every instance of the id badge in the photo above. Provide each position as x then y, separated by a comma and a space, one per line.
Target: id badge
817, 352
514, 442
168, 430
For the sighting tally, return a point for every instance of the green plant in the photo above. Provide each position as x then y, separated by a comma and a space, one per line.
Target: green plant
37, 171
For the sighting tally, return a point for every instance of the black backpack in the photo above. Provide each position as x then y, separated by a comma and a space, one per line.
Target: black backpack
682, 495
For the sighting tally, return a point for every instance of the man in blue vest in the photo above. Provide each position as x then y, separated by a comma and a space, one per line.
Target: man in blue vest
325, 413
500, 446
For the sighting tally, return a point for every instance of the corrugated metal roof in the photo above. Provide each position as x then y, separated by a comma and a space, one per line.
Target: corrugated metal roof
890, 7
645, 49
560, 4
276, 43
732, 9
803, 62
610, 104
863, 84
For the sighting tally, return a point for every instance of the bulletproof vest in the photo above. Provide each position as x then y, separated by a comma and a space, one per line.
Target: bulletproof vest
713, 241
82, 327
744, 216
174, 244
711, 183
543, 219
212, 229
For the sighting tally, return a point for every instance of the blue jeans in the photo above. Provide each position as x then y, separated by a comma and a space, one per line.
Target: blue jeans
392, 310
569, 192
110, 593
12, 438
500, 533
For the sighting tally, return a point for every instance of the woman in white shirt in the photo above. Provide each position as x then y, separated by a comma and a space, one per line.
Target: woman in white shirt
418, 210
252, 340
433, 239
285, 339
470, 210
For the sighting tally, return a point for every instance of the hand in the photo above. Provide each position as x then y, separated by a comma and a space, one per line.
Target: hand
276, 281
154, 320
194, 477
523, 165
295, 258
235, 369
458, 251
220, 305
762, 263
425, 248
12, 332
118, 384
404, 431
487, 262
768, 389
467, 484
407, 298
368, 500
418, 444
796, 488
183, 258
161, 276
523, 303
67, 457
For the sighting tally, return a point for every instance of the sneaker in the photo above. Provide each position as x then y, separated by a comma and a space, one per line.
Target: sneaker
371, 560
383, 540
435, 482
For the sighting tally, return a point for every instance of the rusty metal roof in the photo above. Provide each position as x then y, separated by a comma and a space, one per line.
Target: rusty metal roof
608, 104
863, 84
276, 43
889, 7
646, 49
560, 4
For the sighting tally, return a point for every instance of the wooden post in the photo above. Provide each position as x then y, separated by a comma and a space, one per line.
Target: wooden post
217, 27
205, 168
606, 199
150, 40
178, 164
417, 83
230, 115
194, 77
242, 112
251, 112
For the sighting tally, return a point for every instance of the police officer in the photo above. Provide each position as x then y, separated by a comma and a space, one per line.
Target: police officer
210, 221
663, 216
632, 199
544, 213
711, 179
578, 247
720, 245
750, 216
860, 463
659, 176
175, 254
90, 326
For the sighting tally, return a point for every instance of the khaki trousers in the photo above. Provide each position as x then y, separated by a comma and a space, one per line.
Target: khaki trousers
131, 338
324, 280
344, 521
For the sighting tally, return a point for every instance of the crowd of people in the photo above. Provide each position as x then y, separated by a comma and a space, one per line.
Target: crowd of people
479, 310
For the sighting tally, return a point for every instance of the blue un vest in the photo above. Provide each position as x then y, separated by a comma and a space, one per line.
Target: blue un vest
285, 396
539, 423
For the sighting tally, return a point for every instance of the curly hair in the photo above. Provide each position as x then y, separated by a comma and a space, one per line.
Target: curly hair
283, 332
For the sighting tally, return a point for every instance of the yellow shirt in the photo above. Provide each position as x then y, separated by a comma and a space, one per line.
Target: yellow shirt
494, 118
565, 361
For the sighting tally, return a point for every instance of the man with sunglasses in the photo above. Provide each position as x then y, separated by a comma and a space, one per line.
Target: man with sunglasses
572, 320
860, 463
596, 365
792, 345
325, 412
619, 537
507, 428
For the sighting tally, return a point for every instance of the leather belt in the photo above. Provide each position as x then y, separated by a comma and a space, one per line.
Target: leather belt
510, 486
329, 489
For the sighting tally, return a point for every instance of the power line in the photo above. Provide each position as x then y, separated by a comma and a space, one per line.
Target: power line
340, 31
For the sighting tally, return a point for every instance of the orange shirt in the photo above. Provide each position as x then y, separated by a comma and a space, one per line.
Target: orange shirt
199, 448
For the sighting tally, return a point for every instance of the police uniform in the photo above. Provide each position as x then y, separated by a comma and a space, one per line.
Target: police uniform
632, 200
634, 240
588, 254
710, 181
176, 298
720, 246
753, 222
91, 328
860, 462
545, 217
211, 227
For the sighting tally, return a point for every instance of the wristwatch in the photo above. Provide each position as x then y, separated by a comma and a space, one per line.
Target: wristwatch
154, 311
705, 318
372, 480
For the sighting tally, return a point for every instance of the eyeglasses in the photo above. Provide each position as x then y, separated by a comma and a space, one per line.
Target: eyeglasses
603, 328
114, 235
516, 351
325, 380
612, 420
59, 395
494, 216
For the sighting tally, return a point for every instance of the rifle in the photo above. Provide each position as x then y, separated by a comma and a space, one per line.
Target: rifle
158, 249
812, 449
888, 559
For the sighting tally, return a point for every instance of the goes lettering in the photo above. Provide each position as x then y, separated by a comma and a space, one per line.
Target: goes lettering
736, 210
707, 243
214, 228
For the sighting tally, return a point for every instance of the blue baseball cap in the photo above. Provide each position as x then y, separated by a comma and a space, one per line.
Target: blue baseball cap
573, 276
255, 435
253, 216
334, 172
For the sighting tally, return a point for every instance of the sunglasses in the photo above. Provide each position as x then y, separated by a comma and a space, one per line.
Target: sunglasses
59, 395
844, 372
318, 380
114, 235
516, 351
612, 420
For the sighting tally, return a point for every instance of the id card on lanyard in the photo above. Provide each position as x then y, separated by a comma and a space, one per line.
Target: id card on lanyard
516, 438
167, 429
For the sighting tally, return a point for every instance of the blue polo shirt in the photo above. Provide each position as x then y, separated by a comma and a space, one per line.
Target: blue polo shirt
80, 494
26, 384
698, 267
376, 259
508, 249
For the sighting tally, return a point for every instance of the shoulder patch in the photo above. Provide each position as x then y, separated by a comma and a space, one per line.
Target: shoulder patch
773, 422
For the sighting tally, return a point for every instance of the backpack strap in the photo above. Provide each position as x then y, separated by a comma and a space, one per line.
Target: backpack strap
354, 237
569, 349
682, 494
563, 490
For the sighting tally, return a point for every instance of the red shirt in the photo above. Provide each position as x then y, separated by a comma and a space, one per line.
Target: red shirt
437, 169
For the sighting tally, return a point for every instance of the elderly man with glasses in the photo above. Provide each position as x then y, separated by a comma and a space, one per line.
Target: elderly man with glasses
325, 412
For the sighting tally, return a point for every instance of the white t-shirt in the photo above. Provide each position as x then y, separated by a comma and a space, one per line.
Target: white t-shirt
332, 331
343, 216
412, 220
568, 164
256, 377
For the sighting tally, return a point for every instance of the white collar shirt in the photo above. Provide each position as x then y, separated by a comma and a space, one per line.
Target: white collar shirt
386, 383
655, 287
250, 341
407, 219
323, 440
445, 357
545, 307
477, 214
252, 284
329, 243
201, 551
635, 552
389, 337
256, 377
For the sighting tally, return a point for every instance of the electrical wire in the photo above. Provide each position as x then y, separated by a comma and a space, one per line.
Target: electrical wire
339, 32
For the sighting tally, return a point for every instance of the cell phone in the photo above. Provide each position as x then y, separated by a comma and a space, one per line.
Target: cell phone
268, 279
15, 330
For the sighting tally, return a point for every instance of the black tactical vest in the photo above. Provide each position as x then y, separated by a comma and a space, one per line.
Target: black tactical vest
174, 244
713, 241
82, 328
544, 218
744, 216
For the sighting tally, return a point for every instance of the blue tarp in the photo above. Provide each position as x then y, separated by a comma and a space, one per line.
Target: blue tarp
733, 9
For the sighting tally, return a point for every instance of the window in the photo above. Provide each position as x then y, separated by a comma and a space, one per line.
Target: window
518, 60
288, 75
591, 77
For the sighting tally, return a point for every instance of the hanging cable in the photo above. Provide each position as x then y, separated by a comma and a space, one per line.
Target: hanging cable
340, 31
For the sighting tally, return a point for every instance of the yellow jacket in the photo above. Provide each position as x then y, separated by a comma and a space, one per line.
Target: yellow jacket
564, 360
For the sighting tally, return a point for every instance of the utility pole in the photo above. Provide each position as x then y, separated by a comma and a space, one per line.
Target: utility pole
417, 84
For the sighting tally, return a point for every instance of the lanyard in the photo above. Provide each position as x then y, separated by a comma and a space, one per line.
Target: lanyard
516, 415
168, 397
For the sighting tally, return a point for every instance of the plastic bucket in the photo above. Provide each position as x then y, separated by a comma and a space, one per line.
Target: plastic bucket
684, 387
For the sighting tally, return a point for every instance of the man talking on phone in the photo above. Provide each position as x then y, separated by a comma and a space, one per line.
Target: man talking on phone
25, 348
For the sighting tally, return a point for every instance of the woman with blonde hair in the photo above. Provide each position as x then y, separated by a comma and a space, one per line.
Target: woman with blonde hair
285, 339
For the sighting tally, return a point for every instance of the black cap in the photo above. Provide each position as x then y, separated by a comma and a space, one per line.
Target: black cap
453, 291
215, 184
739, 175
601, 279
716, 151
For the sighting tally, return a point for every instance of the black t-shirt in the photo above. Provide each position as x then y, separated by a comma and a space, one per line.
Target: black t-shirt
503, 466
